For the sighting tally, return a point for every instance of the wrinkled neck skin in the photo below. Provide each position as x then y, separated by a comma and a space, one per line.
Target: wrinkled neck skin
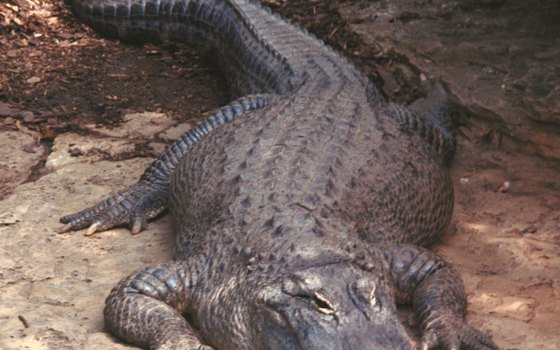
323, 300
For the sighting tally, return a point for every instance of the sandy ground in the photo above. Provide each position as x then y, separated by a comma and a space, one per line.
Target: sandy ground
52, 286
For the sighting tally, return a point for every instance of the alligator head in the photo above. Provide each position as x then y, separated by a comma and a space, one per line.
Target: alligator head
331, 305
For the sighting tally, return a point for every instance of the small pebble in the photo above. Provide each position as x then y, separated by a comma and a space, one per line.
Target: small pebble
33, 80
505, 187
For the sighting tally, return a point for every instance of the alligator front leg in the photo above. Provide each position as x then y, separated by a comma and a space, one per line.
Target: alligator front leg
438, 297
146, 307
148, 197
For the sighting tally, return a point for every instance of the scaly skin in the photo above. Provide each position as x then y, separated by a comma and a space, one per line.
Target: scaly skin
300, 210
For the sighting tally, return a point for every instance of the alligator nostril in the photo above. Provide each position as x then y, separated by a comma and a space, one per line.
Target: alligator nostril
365, 289
323, 304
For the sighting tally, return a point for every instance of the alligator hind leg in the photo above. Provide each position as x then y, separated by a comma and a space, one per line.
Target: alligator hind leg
430, 118
146, 307
148, 197
437, 295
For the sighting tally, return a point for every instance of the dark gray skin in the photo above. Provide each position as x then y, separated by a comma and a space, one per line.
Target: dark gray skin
300, 209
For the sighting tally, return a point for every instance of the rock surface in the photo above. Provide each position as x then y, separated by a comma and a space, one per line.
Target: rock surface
52, 285
499, 59
19, 152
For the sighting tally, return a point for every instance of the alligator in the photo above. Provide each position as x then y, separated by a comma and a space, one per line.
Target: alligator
302, 209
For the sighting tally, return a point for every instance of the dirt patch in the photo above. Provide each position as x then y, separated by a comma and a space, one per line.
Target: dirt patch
59, 76
55, 67
65, 144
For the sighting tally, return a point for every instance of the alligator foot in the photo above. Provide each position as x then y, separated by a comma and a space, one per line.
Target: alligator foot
133, 206
438, 298
146, 307
452, 332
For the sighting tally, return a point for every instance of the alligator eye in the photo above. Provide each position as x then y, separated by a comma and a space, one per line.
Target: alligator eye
323, 305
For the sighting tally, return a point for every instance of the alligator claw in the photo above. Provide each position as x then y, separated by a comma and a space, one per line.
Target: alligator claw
454, 333
138, 224
133, 207
92, 229
65, 228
